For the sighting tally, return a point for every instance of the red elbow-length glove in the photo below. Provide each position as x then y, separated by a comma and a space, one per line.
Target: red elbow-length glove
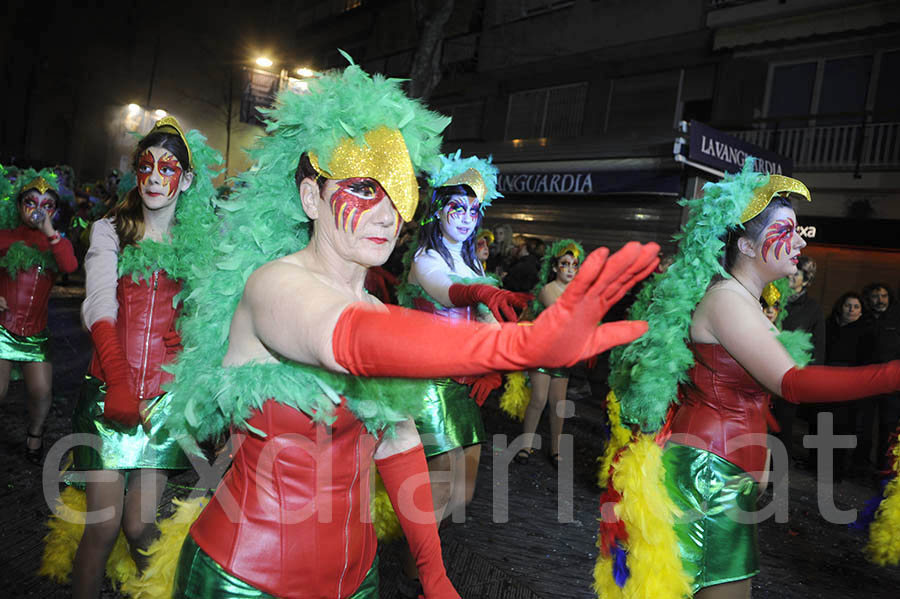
501, 302
399, 342
405, 477
822, 384
120, 403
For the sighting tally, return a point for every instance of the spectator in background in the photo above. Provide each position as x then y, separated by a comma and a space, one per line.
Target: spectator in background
803, 314
843, 334
523, 274
499, 249
880, 343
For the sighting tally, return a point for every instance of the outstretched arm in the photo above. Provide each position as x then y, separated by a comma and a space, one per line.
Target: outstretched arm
744, 333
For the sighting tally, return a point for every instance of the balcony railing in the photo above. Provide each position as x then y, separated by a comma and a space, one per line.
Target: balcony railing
874, 146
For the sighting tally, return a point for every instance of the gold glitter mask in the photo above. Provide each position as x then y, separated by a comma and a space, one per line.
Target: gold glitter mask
777, 185
382, 156
473, 179
39, 184
569, 249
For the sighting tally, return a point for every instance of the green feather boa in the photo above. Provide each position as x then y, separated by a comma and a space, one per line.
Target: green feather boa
264, 220
20, 257
646, 373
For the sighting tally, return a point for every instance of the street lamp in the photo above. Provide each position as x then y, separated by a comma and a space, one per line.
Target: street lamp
263, 62
133, 108
159, 113
304, 72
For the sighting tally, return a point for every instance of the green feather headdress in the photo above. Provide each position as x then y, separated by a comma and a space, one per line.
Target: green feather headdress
454, 165
547, 263
9, 209
262, 220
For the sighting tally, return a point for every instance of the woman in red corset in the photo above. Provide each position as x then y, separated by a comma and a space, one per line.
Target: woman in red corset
717, 451
33, 253
135, 267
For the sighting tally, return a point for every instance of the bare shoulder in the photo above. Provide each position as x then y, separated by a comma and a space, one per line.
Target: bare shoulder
722, 302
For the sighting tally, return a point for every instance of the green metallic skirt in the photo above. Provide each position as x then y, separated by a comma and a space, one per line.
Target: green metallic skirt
24, 348
122, 448
449, 418
200, 577
718, 544
557, 373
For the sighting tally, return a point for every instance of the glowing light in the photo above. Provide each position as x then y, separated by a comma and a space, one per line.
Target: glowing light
263, 61
159, 113
517, 143
132, 108
304, 72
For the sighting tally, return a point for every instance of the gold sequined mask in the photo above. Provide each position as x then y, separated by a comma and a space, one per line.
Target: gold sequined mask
39, 184
381, 156
473, 179
778, 185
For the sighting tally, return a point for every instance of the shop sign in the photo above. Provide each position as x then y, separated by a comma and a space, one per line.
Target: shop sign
723, 152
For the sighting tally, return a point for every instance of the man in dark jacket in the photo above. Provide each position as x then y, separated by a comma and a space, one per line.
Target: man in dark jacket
880, 343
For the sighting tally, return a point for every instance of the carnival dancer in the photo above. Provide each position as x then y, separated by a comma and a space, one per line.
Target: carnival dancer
561, 261
290, 518
33, 252
446, 278
139, 260
716, 453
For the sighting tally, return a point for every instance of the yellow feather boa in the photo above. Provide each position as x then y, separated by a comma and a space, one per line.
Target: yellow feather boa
516, 395
884, 532
619, 438
66, 526
654, 559
158, 578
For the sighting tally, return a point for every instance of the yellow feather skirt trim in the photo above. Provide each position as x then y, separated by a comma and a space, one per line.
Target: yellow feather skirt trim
66, 526
619, 438
158, 578
649, 514
516, 396
884, 533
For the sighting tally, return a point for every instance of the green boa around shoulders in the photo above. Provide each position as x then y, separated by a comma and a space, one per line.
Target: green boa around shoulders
21, 257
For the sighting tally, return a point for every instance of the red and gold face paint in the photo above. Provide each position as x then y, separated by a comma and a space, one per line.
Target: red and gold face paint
167, 167
779, 235
353, 198
37, 201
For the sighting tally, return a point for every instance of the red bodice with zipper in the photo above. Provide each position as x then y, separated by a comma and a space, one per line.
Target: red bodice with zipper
146, 313
720, 407
291, 517
27, 294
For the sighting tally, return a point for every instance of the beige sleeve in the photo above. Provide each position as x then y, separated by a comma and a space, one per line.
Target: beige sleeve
101, 274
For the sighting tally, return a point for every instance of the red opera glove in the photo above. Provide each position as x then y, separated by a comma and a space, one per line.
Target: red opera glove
406, 480
501, 302
120, 403
393, 341
822, 384
483, 385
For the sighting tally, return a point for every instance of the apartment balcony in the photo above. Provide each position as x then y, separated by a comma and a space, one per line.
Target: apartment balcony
869, 147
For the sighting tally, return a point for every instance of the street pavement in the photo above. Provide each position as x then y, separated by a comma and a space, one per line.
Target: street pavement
527, 534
